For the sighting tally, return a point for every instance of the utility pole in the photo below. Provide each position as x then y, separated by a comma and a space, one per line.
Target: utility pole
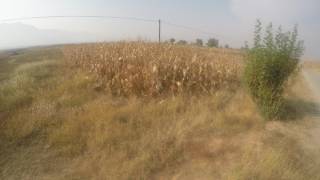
159, 30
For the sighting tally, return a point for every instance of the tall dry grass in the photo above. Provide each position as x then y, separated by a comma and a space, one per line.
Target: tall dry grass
150, 69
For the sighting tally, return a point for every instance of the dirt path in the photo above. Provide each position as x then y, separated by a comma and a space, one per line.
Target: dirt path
313, 79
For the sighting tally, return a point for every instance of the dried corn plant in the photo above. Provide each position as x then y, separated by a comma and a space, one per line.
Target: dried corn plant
150, 69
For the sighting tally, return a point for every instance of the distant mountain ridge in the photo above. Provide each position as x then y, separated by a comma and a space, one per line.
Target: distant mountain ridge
18, 35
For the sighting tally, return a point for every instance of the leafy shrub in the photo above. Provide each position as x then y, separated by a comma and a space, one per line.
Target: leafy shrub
270, 63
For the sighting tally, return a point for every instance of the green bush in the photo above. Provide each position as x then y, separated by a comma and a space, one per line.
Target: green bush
270, 63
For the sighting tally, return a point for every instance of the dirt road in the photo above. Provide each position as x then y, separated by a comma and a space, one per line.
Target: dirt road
313, 79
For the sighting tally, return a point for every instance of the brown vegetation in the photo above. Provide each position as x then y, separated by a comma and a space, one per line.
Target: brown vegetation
70, 126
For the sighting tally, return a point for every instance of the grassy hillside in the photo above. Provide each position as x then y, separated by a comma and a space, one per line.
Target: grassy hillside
143, 111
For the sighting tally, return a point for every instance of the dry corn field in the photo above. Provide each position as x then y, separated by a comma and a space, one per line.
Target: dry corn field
151, 69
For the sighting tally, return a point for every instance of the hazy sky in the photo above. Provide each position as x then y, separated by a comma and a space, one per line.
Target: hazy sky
231, 21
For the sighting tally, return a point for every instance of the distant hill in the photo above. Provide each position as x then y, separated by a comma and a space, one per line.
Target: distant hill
16, 35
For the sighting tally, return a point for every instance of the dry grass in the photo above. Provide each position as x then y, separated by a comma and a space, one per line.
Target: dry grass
71, 129
147, 69
121, 138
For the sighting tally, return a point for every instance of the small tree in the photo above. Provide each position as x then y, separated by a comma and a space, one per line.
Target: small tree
227, 46
199, 42
172, 40
182, 42
213, 42
270, 63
